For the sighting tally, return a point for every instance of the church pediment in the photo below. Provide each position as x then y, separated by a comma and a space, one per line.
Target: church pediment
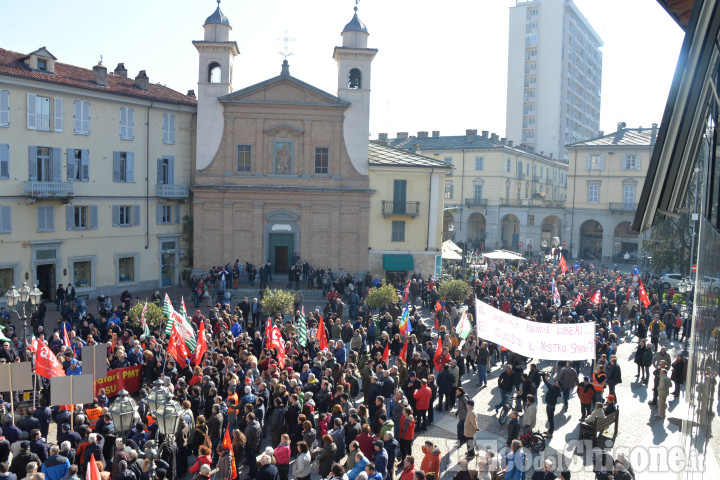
284, 89
284, 127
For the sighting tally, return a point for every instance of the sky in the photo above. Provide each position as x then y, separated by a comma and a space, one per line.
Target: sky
440, 65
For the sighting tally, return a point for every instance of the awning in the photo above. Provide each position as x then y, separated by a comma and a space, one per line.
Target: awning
449, 254
452, 246
398, 262
503, 255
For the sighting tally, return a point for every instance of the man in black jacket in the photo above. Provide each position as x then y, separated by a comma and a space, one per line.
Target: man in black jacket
19, 463
506, 382
267, 471
551, 399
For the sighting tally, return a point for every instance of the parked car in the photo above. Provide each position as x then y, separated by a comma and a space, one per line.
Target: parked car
671, 280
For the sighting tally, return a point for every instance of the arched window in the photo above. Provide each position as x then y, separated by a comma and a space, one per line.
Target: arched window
214, 73
355, 79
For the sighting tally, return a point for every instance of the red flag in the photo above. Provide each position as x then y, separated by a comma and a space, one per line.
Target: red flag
321, 336
268, 330
386, 353
643, 296
32, 346
177, 348
276, 341
113, 342
577, 301
201, 347
66, 338
438, 355
627, 296
92, 469
403, 352
596, 298
438, 307
46, 363
563, 265
227, 443
407, 292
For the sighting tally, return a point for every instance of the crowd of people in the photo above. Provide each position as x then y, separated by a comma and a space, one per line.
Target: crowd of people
350, 410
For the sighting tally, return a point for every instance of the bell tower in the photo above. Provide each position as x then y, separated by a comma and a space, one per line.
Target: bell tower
215, 66
354, 61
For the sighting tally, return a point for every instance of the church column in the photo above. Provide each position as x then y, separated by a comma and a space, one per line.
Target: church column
258, 248
307, 165
198, 228
228, 230
334, 236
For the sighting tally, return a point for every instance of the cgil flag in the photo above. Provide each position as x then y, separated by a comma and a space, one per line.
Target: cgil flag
563, 265
463, 327
302, 329
578, 299
403, 352
556, 294
92, 469
229, 447
146, 330
184, 328
644, 296
321, 335
177, 348
201, 345
46, 363
596, 298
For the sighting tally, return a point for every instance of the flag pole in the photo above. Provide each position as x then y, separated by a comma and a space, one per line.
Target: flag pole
12, 394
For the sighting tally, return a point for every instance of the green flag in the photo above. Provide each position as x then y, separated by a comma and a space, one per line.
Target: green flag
463, 327
302, 330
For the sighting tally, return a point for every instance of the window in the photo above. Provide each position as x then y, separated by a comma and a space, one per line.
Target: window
4, 160
125, 215
527, 189
214, 73
479, 163
7, 278
398, 231
123, 167
520, 169
126, 269
82, 117
81, 217
44, 164
5, 220
595, 162
355, 79
509, 165
4, 108
244, 158
527, 169
322, 160
46, 219
593, 193
164, 214
42, 64
127, 123
168, 128
449, 160
531, 220
166, 170
631, 162
629, 195
449, 191
40, 116
477, 192
78, 165
82, 273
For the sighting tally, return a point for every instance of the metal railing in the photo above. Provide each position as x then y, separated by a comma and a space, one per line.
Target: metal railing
172, 191
622, 207
48, 189
407, 209
476, 202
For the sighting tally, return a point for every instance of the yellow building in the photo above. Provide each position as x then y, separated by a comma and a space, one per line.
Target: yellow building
406, 211
497, 194
94, 170
607, 174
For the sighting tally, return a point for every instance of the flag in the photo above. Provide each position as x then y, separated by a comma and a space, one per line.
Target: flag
643, 296
438, 355
438, 307
32, 346
627, 295
184, 328
403, 352
563, 265
201, 345
596, 298
405, 327
463, 327
555, 293
227, 443
578, 299
276, 341
3, 338
113, 342
407, 292
302, 329
167, 308
268, 331
321, 335
92, 469
66, 338
386, 352
146, 330
46, 363
177, 348
183, 310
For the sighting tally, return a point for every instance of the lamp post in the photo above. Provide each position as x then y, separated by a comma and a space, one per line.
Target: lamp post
156, 395
167, 415
175, 265
122, 412
13, 297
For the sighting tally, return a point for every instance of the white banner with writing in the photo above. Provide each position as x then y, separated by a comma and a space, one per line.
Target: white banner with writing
546, 341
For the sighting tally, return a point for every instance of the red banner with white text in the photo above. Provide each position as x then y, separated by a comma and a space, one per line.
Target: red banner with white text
128, 378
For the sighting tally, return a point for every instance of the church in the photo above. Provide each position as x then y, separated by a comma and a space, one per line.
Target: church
282, 166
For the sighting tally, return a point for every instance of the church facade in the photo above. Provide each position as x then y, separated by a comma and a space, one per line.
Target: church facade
282, 166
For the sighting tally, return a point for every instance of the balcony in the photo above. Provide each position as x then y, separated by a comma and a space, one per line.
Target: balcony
49, 189
404, 209
514, 202
476, 202
172, 191
618, 207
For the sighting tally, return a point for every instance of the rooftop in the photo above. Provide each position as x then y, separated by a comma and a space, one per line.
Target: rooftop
623, 136
218, 17
380, 154
12, 64
355, 25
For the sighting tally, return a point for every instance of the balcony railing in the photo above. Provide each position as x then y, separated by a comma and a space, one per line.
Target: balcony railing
48, 189
623, 207
514, 202
406, 209
476, 202
172, 191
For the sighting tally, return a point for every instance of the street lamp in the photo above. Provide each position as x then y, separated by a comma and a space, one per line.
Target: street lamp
156, 395
14, 296
167, 414
122, 411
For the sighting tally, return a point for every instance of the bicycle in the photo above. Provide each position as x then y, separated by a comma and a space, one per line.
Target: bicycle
506, 408
531, 440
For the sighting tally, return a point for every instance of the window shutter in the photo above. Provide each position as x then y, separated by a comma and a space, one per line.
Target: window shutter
56, 165
158, 214
602, 162
637, 161
115, 215
117, 175
71, 165
93, 217
624, 162
32, 162
171, 170
588, 162
165, 136
4, 160
171, 133
4, 108
123, 122
31, 111
85, 165
177, 214
130, 167
41, 219
69, 217
86, 117
130, 123
5, 220
58, 124
136, 215
77, 116
50, 218
159, 171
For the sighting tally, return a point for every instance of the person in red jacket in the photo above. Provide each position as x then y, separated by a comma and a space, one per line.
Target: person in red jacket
366, 439
422, 396
431, 460
203, 459
408, 472
407, 432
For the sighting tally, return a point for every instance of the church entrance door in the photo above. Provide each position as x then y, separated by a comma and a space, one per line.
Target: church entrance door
282, 249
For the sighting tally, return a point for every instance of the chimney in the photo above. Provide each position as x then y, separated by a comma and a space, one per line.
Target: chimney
621, 125
415, 147
422, 134
510, 143
653, 134
100, 75
485, 133
191, 93
142, 81
402, 135
120, 70
471, 133
530, 149
436, 133
601, 133
494, 137
503, 141
285, 69
640, 129
382, 137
